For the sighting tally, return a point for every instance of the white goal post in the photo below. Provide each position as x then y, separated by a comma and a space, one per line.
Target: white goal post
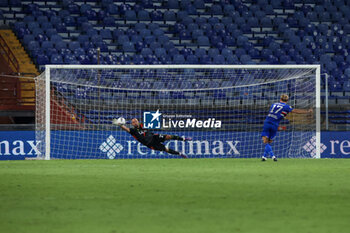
222, 107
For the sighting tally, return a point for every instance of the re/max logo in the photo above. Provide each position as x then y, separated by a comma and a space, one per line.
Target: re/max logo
18, 147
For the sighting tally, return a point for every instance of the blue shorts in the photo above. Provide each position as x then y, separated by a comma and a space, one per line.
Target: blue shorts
269, 130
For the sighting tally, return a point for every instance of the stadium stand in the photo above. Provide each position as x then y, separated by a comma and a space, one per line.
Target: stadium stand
192, 31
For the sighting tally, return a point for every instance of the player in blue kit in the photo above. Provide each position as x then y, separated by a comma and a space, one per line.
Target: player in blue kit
277, 112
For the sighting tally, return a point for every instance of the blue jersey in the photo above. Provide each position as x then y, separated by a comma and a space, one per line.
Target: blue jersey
277, 112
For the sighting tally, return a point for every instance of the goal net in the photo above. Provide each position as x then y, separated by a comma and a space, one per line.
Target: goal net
221, 107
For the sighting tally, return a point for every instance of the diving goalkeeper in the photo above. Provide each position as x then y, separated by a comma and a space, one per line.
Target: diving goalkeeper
151, 140
276, 113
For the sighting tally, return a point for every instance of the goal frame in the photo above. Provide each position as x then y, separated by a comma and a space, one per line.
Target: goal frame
49, 67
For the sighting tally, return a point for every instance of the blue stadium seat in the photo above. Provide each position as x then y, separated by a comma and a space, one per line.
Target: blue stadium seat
149, 39
74, 45
50, 13
346, 86
157, 15
181, 14
232, 59
284, 59
83, 38
42, 19
83, 59
158, 32
185, 3
69, 59
163, 39
219, 59
50, 51
136, 38
122, 39
117, 33
154, 45
102, 45
213, 52
129, 47
112, 9
60, 45
28, 38
228, 9
37, 31
179, 59
81, 19
33, 25
55, 20
79, 51
205, 59
226, 21
73, 8
146, 52
253, 22
33, 45
226, 52
152, 26
197, 33
199, 52
259, 14
192, 26
64, 52
160, 52
106, 34
192, 59
216, 9
199, 4
109, 21
143, 15
218, 27
187, 20
169, 15
70, 21
46, 25
173, 4
42, 59
168, 45
203, 41
84, 8
56, 59
145, 32
241, 40
139, 26
40, 37
102, 14
46, 44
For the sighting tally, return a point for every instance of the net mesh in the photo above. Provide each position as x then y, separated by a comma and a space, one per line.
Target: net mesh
222, 110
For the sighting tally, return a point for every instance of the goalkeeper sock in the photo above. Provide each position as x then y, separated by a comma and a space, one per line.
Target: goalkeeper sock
174, 152
268, 150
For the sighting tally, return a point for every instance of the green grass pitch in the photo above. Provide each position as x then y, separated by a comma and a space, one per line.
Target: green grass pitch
161, 196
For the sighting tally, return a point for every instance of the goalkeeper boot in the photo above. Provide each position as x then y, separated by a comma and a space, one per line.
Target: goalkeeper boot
263, 158
274, 158
184, 156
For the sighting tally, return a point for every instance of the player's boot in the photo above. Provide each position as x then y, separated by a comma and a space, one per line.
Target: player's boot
274, 158
187, 139
184, 156
263, 158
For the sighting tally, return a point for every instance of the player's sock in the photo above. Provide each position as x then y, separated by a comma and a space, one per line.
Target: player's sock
268, 150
